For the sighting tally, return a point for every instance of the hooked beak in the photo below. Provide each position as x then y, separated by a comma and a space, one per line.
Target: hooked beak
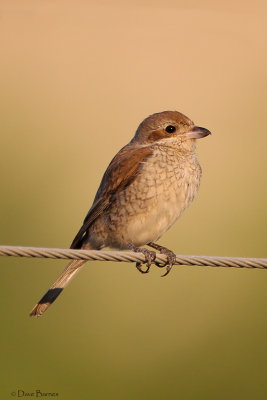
197, 133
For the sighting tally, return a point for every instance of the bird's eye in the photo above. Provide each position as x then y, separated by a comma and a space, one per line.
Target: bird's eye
170, 129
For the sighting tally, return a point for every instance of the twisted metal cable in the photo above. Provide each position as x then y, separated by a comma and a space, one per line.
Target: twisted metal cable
129, 256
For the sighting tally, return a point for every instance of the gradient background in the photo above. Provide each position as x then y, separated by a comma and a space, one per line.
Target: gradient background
77, 77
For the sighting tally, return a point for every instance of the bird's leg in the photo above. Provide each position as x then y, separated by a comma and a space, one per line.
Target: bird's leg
149, 255
171, 257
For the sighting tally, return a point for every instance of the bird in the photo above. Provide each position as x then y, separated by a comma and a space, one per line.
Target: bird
144, 190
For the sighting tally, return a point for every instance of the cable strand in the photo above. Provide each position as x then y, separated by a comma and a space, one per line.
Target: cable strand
129, 256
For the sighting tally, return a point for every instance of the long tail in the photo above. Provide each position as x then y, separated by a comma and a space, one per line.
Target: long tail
62, 281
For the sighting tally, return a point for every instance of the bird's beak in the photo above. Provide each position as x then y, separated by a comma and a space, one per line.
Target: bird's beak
197, 133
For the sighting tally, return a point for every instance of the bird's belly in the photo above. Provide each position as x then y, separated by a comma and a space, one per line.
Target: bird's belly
154, 216
149, 227
149, 206
157, 219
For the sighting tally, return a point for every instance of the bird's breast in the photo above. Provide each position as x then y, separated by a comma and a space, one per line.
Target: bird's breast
144, 210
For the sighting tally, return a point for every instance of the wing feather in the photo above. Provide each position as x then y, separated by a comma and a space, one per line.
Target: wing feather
122, 170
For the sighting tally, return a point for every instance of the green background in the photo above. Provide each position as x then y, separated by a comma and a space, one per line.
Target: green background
77, 77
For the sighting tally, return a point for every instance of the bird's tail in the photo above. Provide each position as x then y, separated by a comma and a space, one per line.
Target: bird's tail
62, 281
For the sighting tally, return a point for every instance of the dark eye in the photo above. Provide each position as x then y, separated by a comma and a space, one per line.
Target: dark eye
170, 129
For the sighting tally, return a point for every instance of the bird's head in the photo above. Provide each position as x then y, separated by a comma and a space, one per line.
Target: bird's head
169, 128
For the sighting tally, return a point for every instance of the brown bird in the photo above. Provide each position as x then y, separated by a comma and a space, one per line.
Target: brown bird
145, 188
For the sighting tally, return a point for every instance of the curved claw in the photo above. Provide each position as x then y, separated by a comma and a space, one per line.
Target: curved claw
138, 266
149, 255
168, 268
171, 257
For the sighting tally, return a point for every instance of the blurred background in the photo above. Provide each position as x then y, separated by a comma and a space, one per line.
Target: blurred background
77, 77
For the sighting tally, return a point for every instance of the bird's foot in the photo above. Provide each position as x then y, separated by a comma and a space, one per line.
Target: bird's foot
171, 257
149, 255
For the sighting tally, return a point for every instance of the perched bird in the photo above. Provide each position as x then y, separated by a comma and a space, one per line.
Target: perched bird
145, 188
